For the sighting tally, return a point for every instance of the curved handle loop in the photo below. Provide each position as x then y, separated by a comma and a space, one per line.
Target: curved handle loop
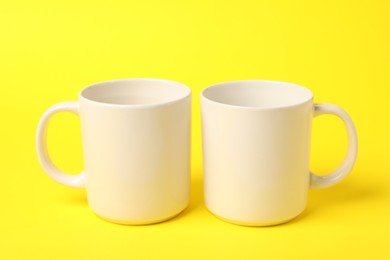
350, 158
77, 181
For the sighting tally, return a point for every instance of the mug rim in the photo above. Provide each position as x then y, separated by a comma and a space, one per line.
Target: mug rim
309, 94
186, 93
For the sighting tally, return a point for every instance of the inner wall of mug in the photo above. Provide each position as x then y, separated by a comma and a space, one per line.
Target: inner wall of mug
135, 92
258, 94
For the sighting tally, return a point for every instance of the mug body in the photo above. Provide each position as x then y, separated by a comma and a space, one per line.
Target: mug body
256, 141
136, 144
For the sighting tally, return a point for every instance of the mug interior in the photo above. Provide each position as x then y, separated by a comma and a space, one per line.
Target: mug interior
258, 94
135, 92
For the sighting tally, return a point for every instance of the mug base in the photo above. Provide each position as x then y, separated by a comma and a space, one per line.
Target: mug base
254, 224
140, 222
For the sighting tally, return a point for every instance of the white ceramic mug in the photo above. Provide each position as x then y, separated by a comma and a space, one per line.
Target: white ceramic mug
136, 145
256, 142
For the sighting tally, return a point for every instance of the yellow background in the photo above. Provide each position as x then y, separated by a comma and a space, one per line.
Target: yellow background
49, 50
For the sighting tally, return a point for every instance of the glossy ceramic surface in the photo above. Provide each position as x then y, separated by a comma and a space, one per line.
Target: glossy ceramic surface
136, 144
256, 141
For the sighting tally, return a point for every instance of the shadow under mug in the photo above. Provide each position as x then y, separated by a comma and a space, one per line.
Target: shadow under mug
256, 142
136, 146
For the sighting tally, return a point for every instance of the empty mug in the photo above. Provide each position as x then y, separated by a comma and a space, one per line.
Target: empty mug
136, 146
256, 142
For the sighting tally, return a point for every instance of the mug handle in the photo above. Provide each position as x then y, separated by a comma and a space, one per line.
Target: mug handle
350, 158
77, 181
